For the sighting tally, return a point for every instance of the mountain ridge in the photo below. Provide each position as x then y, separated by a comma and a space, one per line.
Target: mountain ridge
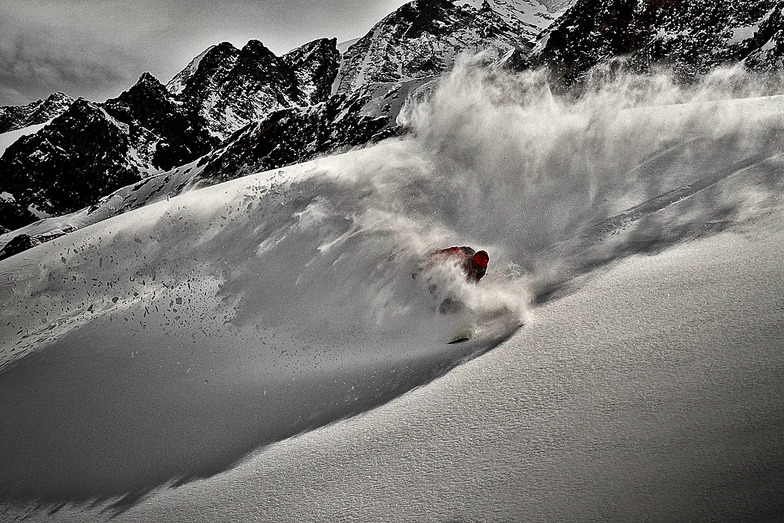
690, 39
13, 118
91, 149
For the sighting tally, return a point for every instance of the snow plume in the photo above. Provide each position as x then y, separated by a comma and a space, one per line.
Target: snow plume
558, 184
167, 343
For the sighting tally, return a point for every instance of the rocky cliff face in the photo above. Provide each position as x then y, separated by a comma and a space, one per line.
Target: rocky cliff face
228, 88
72, 161
763, 51
295, 135
92, 149
315, 66
689, 37
162, 132
19, 117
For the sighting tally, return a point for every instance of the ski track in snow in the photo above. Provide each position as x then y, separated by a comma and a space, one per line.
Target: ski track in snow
167, 343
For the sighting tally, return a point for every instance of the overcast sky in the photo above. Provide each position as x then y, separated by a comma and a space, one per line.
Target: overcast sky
99, 48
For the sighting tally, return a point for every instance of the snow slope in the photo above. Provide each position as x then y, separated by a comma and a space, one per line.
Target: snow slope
6, 139
653, 393
172, 345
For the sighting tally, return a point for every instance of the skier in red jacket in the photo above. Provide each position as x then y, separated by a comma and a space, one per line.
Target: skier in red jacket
474, 263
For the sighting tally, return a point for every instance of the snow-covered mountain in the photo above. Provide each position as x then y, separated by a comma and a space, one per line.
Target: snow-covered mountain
232, 112
150, 130
535, 15
13, 118
422, 39
691, 38
230, 87
92, 149
285, 137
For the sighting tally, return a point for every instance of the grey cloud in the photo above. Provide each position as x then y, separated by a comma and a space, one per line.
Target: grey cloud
38, 64
97, 49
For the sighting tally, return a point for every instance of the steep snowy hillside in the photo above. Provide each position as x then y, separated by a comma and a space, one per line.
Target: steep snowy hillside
156, 349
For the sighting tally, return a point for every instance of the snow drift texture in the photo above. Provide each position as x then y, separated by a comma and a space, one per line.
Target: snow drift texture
167, 343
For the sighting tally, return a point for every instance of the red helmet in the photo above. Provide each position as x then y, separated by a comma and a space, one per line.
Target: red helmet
481, 258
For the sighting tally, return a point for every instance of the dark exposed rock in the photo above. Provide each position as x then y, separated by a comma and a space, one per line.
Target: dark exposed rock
70, 163
92, 149
229, 88
14, 215
17, 244
315, 66
166, 134
23, 242
690, 38
295, 135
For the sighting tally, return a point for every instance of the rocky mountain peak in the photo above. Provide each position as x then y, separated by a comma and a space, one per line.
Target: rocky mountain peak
206, 71
255, 51
259, 71
423, 39
229, 88
147, 78
146, 87
59, 98
13, 118
66, 164
315, 66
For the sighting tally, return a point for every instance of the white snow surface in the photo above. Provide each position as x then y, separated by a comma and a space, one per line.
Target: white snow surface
6, 139
343, 46
203, 358
741, 34
177, 84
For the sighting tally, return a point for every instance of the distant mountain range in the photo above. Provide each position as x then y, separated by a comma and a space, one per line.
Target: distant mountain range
233, 112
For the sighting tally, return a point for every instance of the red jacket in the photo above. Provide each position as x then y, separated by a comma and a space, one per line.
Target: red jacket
474, 263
